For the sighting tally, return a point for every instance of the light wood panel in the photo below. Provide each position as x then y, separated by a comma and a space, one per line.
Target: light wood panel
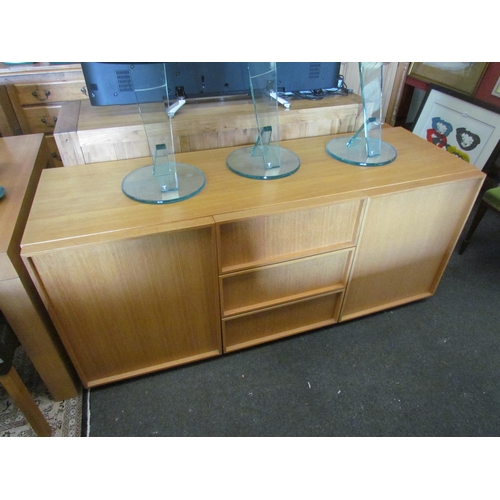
260, 240
292, 280
22, 159
282, 321
9, 125
406, 242
108, 133
135, 305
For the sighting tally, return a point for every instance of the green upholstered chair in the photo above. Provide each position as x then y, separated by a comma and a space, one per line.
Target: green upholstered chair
491, 199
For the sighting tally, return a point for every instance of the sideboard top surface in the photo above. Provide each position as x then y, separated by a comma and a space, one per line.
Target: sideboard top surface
85, 203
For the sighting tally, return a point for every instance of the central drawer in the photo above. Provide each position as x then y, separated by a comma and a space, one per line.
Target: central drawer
292, 280
256, 241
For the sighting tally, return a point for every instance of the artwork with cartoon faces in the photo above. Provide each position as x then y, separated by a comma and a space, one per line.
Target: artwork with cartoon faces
439, 131
466, 139
462, 128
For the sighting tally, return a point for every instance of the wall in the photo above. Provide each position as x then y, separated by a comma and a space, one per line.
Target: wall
487, 84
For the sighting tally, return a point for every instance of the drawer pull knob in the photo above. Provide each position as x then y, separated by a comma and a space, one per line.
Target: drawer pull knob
84, 91
43, 97
44, 120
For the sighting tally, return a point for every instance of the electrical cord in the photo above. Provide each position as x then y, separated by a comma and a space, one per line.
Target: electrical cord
317, 95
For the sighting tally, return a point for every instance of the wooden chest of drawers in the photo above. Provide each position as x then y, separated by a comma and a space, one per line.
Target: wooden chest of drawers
277, 268
33, 95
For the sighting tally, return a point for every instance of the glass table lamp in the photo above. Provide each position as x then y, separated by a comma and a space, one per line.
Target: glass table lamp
266, 159
165, 181
366, 148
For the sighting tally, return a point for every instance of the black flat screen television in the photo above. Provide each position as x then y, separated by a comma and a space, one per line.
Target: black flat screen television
111, 83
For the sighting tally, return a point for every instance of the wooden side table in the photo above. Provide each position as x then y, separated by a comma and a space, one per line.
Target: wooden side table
92, 134
22, 159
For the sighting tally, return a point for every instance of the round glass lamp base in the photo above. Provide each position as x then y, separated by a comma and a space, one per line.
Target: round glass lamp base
141, 185
355, 153
242, 163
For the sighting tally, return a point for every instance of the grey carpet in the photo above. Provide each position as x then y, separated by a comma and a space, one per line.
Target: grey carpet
430, 368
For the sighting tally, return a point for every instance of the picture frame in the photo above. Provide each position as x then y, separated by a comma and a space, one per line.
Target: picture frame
458, 76
496, 89
461, 127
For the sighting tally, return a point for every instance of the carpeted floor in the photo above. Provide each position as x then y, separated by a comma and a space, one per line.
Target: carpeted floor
430, 368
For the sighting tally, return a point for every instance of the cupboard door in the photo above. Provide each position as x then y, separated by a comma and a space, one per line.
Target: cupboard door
404, 246
128, 307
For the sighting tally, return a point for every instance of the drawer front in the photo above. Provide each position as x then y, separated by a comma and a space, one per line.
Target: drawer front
273, 238
293, 280
51, 92
56, 160
274, 323
42, 119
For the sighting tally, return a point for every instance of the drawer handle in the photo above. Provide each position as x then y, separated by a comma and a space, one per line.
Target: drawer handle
44, 120
43, 97
83, 90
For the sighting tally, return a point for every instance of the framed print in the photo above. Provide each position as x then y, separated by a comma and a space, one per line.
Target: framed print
462, 128
458, 76
496, 89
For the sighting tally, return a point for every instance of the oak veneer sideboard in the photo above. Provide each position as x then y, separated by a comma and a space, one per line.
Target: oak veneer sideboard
22, 159
133, 288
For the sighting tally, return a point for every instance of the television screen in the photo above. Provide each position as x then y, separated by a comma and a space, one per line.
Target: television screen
111, 83
295, 77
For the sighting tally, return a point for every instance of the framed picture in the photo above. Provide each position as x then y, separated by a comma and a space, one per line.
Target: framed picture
458, 76
496, 89
462, 128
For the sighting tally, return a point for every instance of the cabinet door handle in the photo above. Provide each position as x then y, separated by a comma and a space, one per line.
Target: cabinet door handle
40, 97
